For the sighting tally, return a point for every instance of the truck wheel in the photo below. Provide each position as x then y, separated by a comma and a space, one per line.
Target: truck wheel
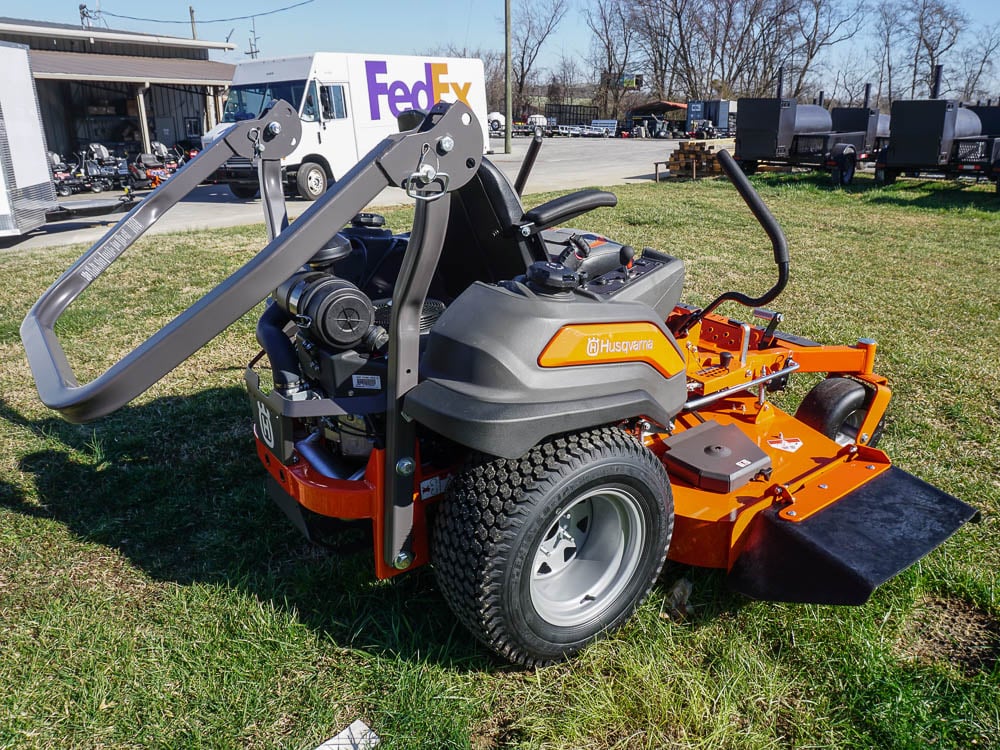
311, 180
836, 408
243, 192
542, 555
749, 166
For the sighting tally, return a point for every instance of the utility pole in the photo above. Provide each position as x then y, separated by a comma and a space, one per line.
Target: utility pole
254, 49
194, 31
508, 104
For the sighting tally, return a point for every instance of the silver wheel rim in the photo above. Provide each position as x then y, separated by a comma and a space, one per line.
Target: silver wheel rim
314, 181
587, 556
849, 430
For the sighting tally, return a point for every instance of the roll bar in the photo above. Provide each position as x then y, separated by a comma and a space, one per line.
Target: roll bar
441, 154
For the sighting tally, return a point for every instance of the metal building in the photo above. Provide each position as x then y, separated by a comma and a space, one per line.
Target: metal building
120, 88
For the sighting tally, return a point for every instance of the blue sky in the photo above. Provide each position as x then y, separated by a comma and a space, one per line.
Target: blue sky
403, 26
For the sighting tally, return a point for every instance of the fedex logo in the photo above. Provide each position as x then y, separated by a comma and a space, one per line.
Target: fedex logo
422, 94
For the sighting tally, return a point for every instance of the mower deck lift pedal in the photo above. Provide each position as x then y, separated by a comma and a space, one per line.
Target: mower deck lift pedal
715, 457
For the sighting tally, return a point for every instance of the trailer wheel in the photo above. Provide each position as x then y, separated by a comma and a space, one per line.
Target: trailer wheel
542, 555
884, 176
749, 166
311, 180
843, 174
836, 408
243, 192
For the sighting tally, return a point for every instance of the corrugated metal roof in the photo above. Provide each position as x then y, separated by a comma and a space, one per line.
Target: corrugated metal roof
65, 30
79, 66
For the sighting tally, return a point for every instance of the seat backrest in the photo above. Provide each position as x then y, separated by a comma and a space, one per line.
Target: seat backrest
99, 151
481, 244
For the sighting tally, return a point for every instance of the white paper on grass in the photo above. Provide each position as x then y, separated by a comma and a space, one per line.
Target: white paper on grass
358, 736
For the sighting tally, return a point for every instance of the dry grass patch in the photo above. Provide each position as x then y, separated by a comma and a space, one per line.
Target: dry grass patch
949, 630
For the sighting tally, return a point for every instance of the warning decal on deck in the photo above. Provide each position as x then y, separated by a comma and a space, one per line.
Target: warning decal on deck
781, 443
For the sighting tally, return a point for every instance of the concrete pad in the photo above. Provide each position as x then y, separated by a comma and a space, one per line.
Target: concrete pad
563, 164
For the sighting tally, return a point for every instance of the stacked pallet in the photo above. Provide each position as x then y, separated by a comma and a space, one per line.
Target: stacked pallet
693, 159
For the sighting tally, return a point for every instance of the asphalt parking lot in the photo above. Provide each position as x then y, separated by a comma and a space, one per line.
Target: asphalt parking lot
562, 164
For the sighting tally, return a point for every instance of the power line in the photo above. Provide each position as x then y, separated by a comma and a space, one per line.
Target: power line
213, 20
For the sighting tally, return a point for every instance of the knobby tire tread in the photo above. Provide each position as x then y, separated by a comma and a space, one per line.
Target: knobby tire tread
488, 502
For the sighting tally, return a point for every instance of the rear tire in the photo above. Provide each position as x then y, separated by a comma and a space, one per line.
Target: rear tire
749, 166
64, 190
243, 192
542, 555
884, 176
836, 407
311, 180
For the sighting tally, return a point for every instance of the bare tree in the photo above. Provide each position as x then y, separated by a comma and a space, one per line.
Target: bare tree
724, 48
654, 26
934, 27
563, 80
888, 34
492, 70
532, 23
977, 65
820, 24
613, 49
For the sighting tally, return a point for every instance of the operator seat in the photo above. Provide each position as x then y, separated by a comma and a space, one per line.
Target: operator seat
491, 237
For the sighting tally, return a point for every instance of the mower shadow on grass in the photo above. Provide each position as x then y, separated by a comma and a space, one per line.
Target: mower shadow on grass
175, 487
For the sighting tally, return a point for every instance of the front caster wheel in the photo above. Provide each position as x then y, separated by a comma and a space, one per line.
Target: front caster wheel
836, 407
541, 555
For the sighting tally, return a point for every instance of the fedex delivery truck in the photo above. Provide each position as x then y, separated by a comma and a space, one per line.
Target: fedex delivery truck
347, 103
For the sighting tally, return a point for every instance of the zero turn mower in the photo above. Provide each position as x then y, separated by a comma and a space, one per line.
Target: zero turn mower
532, 410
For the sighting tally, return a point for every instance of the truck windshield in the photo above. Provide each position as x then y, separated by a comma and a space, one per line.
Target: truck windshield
248, 101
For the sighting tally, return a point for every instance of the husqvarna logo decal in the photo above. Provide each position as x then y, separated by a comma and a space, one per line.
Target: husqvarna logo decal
401, 95
598, 345
266, 428
613, 343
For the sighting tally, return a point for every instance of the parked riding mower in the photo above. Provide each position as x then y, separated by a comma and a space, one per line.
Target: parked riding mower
531, 410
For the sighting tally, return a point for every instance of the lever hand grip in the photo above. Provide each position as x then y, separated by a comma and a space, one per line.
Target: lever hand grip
755, 204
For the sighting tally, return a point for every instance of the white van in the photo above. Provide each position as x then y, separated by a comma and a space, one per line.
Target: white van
347, 102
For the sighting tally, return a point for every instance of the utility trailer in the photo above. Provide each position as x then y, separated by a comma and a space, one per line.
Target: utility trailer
782, 131
941, 136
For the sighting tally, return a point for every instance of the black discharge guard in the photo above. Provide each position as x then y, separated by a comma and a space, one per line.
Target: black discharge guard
839, 555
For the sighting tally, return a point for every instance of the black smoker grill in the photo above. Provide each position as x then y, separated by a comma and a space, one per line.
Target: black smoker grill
782, 131
941, 136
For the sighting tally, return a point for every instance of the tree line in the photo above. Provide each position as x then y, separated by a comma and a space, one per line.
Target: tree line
724, 49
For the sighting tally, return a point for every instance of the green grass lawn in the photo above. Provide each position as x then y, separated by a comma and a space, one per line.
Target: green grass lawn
152, 596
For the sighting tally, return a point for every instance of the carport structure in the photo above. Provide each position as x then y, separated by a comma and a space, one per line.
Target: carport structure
120, 88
